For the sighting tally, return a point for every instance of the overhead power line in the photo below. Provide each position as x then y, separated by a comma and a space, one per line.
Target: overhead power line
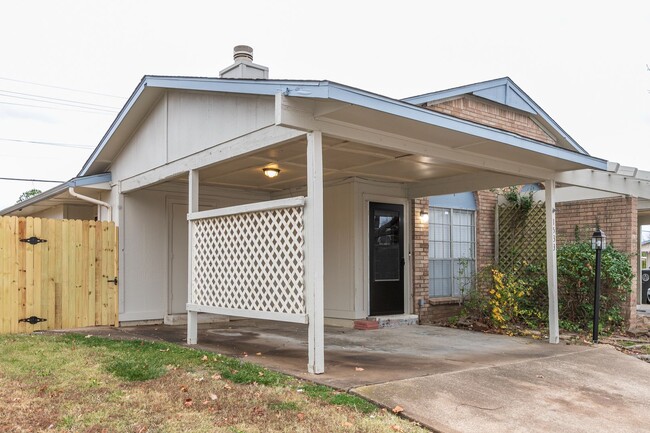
87, 110
49, 143
63, 88
46, 99
31, 180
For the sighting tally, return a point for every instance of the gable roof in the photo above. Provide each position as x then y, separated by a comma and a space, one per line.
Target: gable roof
505, 92
152, 87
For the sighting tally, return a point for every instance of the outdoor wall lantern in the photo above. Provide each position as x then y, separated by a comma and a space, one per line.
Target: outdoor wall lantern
271, 171
598, 243
424, 216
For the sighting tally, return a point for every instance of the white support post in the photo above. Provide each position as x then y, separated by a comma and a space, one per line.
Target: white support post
551, 264
192, 206
313, 214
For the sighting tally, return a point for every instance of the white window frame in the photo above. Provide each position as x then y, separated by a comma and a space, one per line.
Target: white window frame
455, 291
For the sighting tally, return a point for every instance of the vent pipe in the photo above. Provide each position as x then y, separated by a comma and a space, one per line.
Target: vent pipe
244, 66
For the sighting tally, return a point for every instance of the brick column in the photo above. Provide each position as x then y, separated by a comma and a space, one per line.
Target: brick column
486, 202
420, 247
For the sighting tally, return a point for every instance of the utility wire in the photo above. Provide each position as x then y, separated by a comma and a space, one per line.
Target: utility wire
49, 143
31, 180
75, 105
63, 88
59, 108
4, 92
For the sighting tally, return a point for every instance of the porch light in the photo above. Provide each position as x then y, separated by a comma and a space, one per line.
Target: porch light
271, 171
424, 216
598, 241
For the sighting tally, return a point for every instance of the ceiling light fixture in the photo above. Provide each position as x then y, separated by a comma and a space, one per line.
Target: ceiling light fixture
271, 171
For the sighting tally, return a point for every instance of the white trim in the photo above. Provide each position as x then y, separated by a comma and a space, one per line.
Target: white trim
252, 314
314, 260
248, 208
551, 264
192, 207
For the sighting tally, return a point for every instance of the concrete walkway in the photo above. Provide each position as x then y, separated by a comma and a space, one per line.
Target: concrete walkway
447, 379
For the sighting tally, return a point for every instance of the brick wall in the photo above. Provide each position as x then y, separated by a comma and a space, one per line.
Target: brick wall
420, 248
617, 217
486, 202
494, 115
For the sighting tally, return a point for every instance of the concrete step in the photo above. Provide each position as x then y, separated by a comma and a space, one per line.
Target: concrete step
395, 321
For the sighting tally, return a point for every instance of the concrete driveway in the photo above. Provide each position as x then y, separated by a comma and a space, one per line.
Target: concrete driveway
447, 379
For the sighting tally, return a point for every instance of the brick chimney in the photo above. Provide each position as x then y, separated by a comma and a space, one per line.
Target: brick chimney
244, 66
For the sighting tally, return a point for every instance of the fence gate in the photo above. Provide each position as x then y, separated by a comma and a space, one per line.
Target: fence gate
57, 274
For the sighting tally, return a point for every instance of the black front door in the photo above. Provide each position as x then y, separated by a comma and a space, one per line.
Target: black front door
386, 250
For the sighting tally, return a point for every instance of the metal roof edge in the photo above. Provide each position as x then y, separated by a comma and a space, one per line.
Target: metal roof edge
72, 183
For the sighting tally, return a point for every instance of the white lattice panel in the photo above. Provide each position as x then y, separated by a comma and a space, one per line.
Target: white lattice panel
250, 261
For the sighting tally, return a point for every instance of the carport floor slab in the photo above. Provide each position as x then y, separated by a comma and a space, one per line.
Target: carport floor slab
353, 357
599, 390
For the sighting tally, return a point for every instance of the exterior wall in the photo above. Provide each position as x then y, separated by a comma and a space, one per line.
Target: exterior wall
436, 310
183, 123
617, 217
69, 211
486, 202
346, 245
420, 248
81, 212
149, 265
55, 212
491, 114
339, 251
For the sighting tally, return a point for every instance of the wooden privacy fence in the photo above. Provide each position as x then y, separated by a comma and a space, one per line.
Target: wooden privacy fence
63, 271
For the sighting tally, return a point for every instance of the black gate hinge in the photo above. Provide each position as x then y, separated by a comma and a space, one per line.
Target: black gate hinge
32, 320
33, 240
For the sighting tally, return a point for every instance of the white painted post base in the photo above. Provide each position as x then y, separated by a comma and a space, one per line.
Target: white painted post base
192, 327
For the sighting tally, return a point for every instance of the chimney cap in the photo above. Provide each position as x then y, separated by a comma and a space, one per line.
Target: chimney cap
243, 53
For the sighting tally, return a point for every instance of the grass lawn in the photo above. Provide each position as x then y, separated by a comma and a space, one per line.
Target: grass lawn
74, 383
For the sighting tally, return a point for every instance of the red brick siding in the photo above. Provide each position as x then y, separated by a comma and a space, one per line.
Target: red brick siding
617, 217
420, 248
486, 202
491, 114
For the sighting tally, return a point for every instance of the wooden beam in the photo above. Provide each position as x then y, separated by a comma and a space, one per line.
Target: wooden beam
249, 207
293, 114
314, 272
192, 207
244, 145
551, 264
604, 181
478, 180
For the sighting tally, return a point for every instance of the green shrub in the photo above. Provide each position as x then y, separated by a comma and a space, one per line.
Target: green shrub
576, 273
519, 297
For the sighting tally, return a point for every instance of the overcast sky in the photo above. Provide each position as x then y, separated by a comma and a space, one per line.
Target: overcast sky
583, 62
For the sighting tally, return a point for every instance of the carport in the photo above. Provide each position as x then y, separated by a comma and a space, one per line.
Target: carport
329, 238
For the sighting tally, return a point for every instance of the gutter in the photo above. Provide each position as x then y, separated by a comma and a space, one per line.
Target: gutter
99, 203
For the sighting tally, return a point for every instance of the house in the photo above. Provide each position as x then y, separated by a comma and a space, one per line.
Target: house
300, 200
